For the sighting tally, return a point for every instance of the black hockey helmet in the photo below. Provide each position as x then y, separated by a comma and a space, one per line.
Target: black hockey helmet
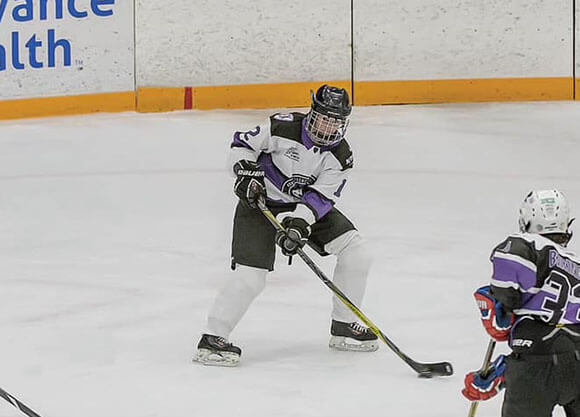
328, 117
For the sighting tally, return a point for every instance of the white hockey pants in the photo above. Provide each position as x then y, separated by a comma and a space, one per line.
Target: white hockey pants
245, 283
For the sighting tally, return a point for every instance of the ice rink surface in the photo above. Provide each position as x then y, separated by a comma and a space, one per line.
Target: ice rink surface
115, 234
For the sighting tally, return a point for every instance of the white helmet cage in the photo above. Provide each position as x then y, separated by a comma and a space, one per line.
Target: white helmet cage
545, 212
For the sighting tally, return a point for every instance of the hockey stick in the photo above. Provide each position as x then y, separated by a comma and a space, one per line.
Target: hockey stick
424, 370
484, 368
16, 403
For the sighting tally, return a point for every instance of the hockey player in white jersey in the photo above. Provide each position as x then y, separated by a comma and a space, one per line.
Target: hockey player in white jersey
300, 164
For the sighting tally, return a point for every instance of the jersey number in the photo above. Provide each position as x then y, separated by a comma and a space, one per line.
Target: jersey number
253, 133
563, 289
339, 189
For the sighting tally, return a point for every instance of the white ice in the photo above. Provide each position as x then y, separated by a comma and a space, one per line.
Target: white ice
115, 234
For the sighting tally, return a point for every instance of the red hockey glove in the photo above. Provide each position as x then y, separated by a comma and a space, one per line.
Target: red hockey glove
480, 388
495, 320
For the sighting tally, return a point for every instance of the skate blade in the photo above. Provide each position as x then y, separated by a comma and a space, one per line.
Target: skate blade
352, 345
209, 358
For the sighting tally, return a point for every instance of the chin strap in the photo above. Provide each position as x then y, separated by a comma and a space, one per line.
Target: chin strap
568, 233
568, 228
568, 238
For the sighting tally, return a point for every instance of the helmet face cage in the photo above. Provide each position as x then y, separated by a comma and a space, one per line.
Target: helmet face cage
544, 212
325, 130
327, 120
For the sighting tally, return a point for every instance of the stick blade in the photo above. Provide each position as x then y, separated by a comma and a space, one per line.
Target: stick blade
430, 370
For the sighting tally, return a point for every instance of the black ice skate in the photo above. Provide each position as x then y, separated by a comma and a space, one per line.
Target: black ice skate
352, 336
217, 351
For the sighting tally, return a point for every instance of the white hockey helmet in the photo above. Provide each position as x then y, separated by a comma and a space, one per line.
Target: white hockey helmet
545, 212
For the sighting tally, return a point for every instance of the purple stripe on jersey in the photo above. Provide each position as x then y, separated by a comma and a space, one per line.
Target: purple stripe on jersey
572, 312
526, 298
536, 302
239, 143
507, 270
319, 204
271, 171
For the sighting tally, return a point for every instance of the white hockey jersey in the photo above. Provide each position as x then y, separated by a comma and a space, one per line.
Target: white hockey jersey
296, 169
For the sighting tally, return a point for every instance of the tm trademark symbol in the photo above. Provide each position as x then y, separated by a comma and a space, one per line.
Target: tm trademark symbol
78, 61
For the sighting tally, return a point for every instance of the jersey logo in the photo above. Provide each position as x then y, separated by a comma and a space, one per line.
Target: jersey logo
294, 186
293, 154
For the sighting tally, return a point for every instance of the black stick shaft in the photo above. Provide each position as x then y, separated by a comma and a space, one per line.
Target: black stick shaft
18, 404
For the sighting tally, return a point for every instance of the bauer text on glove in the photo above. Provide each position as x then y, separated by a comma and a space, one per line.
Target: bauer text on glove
249, 185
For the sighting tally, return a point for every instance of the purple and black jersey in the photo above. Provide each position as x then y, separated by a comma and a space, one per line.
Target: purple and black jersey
296, 169
533, 276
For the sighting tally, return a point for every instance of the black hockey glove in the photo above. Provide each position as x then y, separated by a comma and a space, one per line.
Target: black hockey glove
249, 185
294, 237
